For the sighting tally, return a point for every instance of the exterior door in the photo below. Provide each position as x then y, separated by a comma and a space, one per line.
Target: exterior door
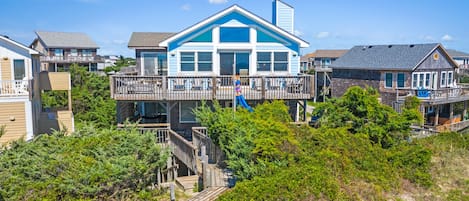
234, 63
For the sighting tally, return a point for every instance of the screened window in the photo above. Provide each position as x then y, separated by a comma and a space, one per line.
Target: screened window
450, 78
421, 79
19, 68
204, 61
59, 52
400, 80
388, 80
427, 80
86, 53
73, 52
280, 61
187, 61
185, 111
443, 79
234, 34
264, 61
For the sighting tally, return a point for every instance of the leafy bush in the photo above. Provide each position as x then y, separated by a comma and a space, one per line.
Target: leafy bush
91, 164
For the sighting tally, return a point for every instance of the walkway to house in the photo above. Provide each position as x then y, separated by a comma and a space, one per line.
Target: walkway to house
200, 156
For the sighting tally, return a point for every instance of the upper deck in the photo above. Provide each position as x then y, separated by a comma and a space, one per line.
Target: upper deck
161, 88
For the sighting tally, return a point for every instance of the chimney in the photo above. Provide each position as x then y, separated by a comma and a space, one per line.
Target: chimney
283, 15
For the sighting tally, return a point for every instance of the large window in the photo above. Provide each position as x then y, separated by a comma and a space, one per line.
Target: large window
86, 53
204, 61
268, 61
185, 111
280, 61
187, 61
19, 69
443, 79
196, 61
388, 80
450, 79
59, 52
400, 80
73, 52
425, 80
264, 61
234, 34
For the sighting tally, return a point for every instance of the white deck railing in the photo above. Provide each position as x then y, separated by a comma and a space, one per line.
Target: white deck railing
14, 87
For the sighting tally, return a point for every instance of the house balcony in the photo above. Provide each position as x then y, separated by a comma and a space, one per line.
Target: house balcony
438, 96
165, 88
15, 88
72, 59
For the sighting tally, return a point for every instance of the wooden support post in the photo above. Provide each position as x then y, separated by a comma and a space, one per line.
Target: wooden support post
69, 100
158, 176
204, 167
214, 87
169, 164
263, 87
451, 112
324, 87
437, 115
463, 116
305, 106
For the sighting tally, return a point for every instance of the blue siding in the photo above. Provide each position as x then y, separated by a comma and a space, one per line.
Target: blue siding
172, 65
283, 16
222, 20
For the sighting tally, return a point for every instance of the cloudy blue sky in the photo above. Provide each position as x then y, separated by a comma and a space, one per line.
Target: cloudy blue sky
325, 24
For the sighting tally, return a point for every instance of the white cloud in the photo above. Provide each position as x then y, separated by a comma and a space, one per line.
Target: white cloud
119, 42
186, 7
323, 34
217, 1
447, 37
428, 38
298, 32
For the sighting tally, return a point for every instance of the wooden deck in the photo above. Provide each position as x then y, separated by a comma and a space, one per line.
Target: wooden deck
153, 88
440, 96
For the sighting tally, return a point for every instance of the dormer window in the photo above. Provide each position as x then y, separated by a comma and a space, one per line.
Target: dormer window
234, 34
59, 52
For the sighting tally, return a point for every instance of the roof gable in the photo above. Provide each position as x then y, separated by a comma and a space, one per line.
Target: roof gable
385, 57
148, 39
66, 40
241, 16
18, 45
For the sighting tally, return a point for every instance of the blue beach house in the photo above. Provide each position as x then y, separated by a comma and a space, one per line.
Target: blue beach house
175, 71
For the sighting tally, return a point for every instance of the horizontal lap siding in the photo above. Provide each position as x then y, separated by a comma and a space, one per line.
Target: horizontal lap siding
15, 129
5, 69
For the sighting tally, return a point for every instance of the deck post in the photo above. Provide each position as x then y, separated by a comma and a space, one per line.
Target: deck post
437, 115
214, 87
263, 87
451, 112
305, 106
463, 116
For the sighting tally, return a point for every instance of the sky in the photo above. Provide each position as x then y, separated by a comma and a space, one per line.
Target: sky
325, 24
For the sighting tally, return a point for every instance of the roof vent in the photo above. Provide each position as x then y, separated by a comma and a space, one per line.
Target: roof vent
411, 46
389, 46
370, 46
6, 36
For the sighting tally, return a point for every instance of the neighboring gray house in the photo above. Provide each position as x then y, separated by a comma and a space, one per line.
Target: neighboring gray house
397, 71
149, 55
61, 49
459, 57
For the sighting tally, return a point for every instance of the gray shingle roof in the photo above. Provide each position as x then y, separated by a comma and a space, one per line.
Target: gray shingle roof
66, 40
384, 57
457, 54
148, 39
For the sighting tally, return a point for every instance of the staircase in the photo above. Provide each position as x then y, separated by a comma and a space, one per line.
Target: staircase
208, 194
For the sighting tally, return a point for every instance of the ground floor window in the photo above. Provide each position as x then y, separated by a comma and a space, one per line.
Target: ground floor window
185, 111
388, 80
400, 80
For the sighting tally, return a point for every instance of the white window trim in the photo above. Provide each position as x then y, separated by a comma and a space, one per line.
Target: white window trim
392, 80
397, 80
424, 85
449, 83
186, 122
443, 77
272, 62
196, 62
